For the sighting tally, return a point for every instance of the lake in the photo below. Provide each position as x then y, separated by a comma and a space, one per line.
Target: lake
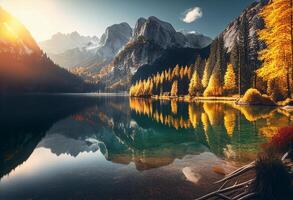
112, 147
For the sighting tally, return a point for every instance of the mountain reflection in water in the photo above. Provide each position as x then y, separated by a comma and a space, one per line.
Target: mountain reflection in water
115, 147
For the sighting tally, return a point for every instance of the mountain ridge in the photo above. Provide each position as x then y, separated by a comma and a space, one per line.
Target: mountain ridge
23, 65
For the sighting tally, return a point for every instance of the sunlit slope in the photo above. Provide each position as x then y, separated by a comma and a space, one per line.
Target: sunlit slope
24, 67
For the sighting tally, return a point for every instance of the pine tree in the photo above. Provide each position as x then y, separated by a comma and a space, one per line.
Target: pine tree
221, 62
174, 89
243, 71
230, 79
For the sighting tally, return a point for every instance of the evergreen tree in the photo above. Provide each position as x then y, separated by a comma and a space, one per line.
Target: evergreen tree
244, 71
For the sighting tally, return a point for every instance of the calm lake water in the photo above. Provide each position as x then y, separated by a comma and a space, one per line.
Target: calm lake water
99, 147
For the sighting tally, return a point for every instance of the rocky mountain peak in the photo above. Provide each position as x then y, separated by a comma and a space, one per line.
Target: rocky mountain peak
114, 38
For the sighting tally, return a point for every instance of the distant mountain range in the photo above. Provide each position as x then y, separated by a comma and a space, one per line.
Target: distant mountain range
122, 54
120, 51
23, 65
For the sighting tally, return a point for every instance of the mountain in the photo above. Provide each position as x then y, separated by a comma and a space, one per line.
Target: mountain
114, 38
238, 44
60, 42
255, 22
91, 56
151, 38
23, 65
67, 50
196, 39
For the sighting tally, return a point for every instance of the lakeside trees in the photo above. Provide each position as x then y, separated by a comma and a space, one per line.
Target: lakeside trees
230, 79
168, 82
277, 57
261, 59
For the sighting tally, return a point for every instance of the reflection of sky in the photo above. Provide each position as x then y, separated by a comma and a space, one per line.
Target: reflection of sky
43, 163
44, 173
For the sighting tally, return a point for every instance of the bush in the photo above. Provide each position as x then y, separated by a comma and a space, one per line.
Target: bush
283, 140
254, 97
272, 179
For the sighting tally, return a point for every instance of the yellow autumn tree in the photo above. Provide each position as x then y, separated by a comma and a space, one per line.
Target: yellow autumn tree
277, 34
214, 87
175, 71
205, 77
181, 72
189, 73
230, 79
195, 85
174, 88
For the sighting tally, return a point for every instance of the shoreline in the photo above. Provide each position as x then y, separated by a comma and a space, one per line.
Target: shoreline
195, 99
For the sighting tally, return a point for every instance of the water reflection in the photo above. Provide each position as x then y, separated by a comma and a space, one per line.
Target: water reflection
227, 129
123, 145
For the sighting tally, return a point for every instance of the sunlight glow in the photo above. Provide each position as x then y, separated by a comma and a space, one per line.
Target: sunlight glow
41, 18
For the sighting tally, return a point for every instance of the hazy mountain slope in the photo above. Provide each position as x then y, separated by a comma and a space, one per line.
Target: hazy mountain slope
24, 67
59, 43
94, 55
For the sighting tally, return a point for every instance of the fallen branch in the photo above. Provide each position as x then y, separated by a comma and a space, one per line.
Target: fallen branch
243, 170
226, 189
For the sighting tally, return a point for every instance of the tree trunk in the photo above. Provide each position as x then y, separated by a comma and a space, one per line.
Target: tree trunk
291, 64
239, 74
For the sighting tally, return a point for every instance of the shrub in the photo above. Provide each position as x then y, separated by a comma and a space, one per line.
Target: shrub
254, 97
272, 179
283, 140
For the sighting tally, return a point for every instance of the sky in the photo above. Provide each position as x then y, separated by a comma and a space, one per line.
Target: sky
43, 18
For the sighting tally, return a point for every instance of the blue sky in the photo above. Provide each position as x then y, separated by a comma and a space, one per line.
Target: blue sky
90, 17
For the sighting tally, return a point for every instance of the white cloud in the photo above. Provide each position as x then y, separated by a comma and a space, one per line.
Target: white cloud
192, 14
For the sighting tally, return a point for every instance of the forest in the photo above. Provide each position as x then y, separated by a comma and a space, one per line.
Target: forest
262, 61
